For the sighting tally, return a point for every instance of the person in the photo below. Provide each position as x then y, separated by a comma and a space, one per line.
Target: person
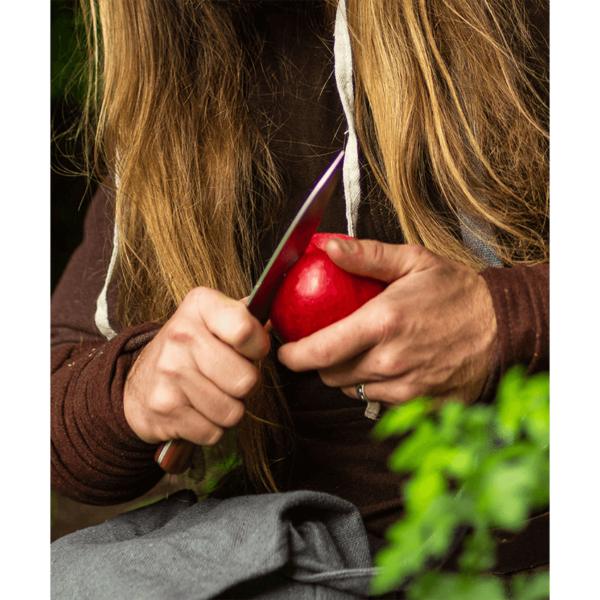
216, 119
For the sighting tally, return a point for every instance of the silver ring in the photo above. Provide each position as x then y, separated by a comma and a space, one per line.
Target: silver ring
360, 392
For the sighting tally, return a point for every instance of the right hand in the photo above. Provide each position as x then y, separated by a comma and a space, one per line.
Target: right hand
190, 380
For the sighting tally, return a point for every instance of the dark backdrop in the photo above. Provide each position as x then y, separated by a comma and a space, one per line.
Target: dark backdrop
69, 193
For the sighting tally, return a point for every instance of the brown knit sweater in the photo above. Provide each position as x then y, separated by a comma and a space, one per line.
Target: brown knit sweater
96, 457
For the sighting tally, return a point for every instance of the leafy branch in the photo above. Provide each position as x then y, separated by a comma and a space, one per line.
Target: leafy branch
477, 467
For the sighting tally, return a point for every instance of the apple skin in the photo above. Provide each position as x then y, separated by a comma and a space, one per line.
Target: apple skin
316, 292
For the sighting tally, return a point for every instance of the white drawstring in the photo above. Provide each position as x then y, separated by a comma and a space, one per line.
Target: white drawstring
101, 316
342, 52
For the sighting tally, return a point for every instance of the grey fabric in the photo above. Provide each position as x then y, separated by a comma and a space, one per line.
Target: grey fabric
298, 545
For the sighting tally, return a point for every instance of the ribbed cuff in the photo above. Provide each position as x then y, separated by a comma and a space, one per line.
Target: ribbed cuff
520, 296
96, 457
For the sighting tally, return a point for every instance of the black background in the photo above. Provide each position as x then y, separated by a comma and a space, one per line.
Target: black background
69, 193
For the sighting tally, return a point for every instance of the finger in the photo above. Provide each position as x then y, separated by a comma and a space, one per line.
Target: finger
377, 364
235, 375
211, 402
392, 391
168, 414
189, 424
349, 373
370, 258
231, 322
337, 343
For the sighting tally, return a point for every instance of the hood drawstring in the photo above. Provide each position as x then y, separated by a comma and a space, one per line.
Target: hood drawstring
342, 52
101, 315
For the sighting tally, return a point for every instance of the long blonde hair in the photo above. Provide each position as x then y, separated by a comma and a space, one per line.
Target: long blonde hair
198, 186
465, 111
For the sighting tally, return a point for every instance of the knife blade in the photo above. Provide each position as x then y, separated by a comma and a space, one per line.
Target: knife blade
175, 456
294, 242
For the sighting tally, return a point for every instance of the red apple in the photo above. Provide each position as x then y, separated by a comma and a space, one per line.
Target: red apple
316, 292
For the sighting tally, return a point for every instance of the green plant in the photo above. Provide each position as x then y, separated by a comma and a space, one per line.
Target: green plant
479, 467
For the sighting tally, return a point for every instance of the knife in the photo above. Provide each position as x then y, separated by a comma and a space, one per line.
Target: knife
175, 456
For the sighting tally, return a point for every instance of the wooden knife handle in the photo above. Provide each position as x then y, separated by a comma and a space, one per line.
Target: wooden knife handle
175, 456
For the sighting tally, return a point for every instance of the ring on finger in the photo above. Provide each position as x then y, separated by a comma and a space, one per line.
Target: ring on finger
372, 411
360, 392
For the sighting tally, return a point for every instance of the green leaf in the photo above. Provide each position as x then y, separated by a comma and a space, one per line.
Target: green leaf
442, 520
420, 491
479, 551
451, 418
462, 463
518, 398
456, 587
537, 422
478, 418
407, 533
409, 455
510, 405
400, 559
390, 574
531, 587
505, 493
438, 458
399, 420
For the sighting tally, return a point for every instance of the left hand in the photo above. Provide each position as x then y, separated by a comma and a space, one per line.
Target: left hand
431, 332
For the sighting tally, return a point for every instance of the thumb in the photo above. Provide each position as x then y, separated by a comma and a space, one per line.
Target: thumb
370, 258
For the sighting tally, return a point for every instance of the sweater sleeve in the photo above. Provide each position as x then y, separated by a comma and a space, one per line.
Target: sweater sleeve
521, 297
95, 458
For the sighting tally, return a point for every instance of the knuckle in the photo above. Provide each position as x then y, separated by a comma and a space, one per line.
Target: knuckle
388, 365
378, 250
417, 250
162, 404
166, 367
242, 328
197, 301
322, 354
420, 254
234, 415
177, 331
212, 436
387, 320
263, 344
196, 295
246, 383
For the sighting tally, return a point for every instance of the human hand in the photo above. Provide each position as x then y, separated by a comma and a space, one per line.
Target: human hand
190, 380
432, 331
